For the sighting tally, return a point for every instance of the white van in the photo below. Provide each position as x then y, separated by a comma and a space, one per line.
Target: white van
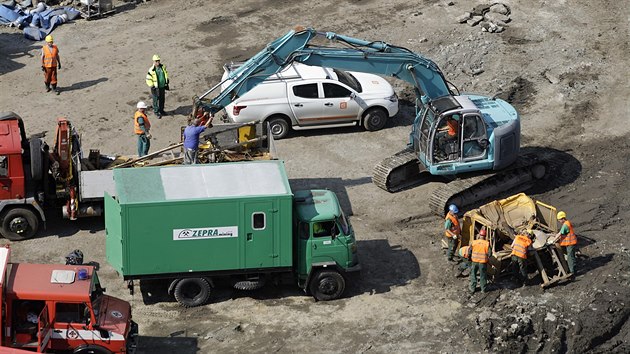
308, 97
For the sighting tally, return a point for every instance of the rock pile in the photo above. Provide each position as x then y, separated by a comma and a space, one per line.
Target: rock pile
490, 18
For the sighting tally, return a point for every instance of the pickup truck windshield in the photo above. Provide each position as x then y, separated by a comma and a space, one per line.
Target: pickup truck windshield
343, 223
348, 79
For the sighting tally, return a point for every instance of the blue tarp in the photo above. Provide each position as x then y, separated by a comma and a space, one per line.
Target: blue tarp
39, 22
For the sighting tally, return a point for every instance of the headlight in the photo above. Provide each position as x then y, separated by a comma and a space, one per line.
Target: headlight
392, 98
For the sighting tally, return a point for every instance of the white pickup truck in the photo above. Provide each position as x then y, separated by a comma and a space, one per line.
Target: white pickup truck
309, 97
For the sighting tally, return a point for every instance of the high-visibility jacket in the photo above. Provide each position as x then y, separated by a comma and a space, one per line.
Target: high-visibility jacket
152, 79
464, 251
454, 225
569, 239
452, 127
136, 124
480, 250
50, 56
519, 246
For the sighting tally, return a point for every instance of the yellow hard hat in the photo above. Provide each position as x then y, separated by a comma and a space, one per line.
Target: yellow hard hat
156, 57
49, 39
561, 215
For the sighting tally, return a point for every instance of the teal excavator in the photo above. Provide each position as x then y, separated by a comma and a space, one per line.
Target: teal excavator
472, 141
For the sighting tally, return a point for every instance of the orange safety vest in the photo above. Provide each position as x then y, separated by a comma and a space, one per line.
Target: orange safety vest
50, 56
463, 252
452, 127
519, 246
136, 125
570, 239
454, 225
480, 251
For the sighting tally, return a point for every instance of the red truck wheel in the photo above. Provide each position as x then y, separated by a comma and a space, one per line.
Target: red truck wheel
19, 224
91, 349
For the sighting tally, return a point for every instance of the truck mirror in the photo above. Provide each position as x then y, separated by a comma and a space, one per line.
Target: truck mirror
353, 95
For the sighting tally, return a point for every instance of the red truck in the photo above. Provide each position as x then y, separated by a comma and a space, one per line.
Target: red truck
32, 176
49, 308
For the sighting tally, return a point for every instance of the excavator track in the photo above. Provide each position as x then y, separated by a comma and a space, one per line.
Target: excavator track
400, 171
530, 168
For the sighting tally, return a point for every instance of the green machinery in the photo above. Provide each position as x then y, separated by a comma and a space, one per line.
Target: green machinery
191, 225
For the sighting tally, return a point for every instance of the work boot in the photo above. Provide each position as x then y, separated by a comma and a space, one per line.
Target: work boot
47, 88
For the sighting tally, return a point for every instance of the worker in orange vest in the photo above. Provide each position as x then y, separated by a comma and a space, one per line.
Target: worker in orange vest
568, 241
479, 257
50, 63
520, 246
464, 253
142, 127
449, 132
452, 230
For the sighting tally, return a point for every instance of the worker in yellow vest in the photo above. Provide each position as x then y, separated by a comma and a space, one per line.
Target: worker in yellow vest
452, 230
50, 63
157, 80
520, 246
479, 257
568, 241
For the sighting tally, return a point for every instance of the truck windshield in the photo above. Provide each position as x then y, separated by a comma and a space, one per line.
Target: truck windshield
96, 295
343, 223
348, 79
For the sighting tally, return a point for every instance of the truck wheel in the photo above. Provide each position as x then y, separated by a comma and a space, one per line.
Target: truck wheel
37, 166
19, 224
91, 349
327, 285
249, 284
374, 119
279, 127
191, 292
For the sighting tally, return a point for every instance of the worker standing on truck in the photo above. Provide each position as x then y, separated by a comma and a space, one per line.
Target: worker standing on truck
452, 230
157, 80
520, 246
568, 241
479, 261
191, 140
142, 127
50, 63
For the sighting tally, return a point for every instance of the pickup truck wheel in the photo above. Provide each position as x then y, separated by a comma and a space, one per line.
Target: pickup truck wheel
374, 119
327, 285
91, 349
191, 292
19, 224
279, 127
37, 170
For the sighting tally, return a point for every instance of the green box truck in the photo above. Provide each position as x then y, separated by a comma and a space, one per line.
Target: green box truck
193, 224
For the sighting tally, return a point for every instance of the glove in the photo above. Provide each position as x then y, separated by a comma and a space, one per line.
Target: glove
166, 87
454, 237
59, 66
149, 136
43, 69
153, 89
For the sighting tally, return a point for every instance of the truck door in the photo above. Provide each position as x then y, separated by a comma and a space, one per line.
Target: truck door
325, 246
5, 181
44, 331
259, 237
305, 102
338, 105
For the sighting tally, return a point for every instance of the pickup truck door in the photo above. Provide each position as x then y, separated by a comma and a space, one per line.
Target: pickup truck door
338, 104
305, 102
44, 331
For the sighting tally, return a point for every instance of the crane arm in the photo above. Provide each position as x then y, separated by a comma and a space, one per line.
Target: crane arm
354, 54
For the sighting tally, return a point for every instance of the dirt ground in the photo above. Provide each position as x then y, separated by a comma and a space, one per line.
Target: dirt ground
563, 64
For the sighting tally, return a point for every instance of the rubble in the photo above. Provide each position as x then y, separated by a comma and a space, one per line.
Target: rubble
490, 18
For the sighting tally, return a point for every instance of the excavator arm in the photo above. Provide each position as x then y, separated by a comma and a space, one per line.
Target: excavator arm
353, 54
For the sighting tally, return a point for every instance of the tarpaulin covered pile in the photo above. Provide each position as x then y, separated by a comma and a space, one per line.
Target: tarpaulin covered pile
38, 21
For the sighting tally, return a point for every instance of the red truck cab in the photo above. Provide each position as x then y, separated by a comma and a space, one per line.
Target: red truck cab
61, 307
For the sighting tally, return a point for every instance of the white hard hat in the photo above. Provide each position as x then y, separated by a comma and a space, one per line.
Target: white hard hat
141, 104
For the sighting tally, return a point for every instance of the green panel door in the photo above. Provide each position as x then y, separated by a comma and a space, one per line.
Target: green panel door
113, 233
324, 246
259, 236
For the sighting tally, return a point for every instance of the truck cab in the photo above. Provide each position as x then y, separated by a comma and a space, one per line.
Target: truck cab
326, 250
61, 307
